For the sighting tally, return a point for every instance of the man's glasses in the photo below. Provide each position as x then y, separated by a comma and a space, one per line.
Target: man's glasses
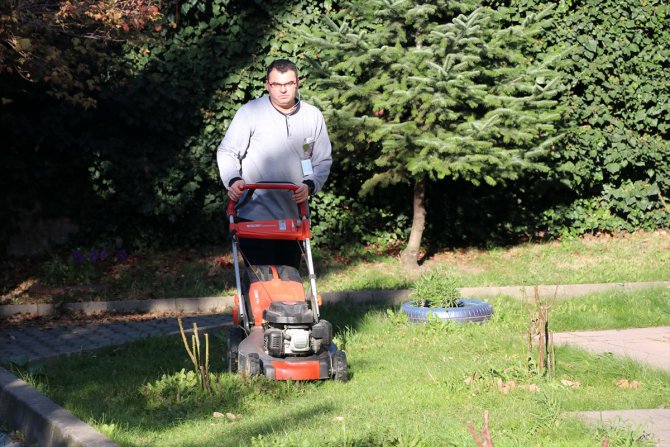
280, 85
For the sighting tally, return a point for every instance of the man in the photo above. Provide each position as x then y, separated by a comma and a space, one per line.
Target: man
275, 138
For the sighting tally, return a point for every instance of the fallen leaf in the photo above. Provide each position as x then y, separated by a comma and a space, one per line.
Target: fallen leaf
506, 387
531, 387
624, 383
216, 414
570, 383
232, 416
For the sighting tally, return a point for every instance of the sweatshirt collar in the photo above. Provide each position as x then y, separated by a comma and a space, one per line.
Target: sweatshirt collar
293, 111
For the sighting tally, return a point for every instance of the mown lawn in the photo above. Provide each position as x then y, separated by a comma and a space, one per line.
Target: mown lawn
411, 385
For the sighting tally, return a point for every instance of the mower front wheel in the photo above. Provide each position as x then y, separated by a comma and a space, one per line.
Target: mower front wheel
340, 368
254, 365
235, 337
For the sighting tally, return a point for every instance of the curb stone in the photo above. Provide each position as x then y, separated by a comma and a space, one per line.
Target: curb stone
213, 304
40, 419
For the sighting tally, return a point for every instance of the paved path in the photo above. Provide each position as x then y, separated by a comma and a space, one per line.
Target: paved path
647, 345
30, 343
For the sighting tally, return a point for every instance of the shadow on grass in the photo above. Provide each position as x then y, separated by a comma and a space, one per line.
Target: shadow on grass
242, 433
148, 385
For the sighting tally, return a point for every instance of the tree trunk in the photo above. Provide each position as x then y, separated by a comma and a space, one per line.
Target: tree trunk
410, 255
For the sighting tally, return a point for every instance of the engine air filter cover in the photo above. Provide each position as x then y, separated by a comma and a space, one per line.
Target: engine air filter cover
292, 312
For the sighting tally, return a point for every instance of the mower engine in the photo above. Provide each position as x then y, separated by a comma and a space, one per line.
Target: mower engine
289, 330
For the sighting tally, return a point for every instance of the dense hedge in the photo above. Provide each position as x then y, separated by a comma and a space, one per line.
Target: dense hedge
141, 165
616, 154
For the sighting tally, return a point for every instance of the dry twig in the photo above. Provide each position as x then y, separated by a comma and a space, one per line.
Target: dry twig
482, 439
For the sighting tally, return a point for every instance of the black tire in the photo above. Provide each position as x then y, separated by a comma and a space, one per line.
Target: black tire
235, 337
253, 365
340, 368
468, 311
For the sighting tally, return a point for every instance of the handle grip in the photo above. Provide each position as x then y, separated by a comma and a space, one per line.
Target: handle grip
273, 185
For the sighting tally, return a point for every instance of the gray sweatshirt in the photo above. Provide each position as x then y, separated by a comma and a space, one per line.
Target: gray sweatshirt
264, 145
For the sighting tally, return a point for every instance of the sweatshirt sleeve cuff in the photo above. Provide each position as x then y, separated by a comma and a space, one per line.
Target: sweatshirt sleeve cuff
233, 180
311, 186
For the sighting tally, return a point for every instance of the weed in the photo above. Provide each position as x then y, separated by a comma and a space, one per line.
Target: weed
195, 354
433, 289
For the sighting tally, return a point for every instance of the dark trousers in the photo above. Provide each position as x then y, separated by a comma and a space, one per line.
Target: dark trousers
270, 252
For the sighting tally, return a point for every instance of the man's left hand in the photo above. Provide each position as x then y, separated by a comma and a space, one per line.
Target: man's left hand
301, 194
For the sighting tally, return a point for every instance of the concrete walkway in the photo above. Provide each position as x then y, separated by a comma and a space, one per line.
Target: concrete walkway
52, 425
650, 346
24, 344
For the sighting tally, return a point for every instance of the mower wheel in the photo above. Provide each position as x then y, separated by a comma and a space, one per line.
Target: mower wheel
253, 364
340, 369
235, 337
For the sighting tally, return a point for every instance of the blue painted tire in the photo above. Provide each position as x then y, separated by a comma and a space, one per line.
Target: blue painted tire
468, 311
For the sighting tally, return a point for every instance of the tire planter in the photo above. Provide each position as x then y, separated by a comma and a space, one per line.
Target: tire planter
468, 311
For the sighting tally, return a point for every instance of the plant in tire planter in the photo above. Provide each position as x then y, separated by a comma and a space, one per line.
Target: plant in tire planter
437, 296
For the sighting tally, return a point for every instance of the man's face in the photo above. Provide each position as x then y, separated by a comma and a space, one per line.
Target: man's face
282, 88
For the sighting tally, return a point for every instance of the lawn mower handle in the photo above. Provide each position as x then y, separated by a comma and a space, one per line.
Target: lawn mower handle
277, 186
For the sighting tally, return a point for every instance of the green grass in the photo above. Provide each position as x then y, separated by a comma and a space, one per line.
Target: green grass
572, 261
411, 385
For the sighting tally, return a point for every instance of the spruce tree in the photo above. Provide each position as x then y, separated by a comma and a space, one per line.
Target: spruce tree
436, 90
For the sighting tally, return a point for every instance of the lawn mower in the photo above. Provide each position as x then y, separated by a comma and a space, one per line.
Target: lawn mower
277, 329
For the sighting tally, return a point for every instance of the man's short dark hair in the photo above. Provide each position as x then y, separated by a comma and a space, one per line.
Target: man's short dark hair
282, 66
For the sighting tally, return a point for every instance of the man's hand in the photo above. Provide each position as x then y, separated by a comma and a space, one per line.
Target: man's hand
301, 194
235, 191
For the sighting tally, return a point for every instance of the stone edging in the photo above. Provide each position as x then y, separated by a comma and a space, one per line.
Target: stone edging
213, 304
40, 419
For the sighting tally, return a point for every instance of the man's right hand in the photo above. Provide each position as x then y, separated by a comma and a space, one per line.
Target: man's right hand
235, 191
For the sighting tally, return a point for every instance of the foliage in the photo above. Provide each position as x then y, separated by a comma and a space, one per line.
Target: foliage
174, 389
141, 162
436, 90
434, 289
200, 367
616, 155
135, 95
82, 266
338, 222
60, 43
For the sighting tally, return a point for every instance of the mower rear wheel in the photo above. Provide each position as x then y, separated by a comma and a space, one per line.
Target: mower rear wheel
340, 369
235, 337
